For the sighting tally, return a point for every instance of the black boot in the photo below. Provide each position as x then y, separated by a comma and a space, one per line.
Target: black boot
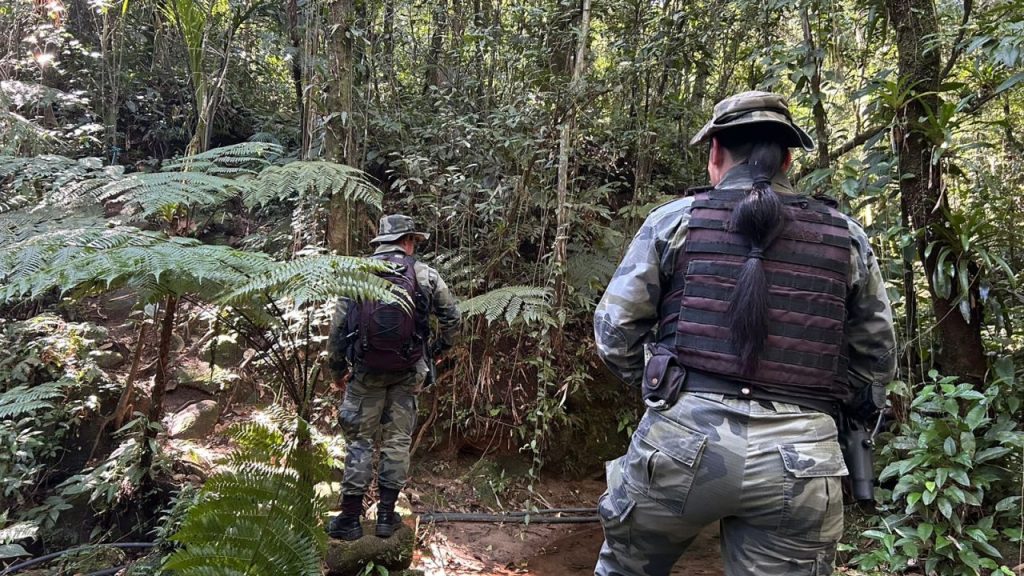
387, 519
346, 526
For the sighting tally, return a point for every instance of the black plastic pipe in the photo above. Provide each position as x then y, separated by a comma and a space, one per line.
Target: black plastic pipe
15, 568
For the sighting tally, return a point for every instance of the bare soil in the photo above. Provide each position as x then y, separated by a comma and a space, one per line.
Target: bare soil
457, 549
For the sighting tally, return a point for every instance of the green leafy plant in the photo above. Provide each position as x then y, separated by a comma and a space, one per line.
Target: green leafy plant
510, 303
954, 462
261, 515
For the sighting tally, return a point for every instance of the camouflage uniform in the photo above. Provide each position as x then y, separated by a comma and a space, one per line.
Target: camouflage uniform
768, 471
384, 404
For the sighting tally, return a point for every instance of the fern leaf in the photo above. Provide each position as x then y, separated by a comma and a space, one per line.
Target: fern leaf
245, 155
22, 400
254, 518
512, 303
317, 278
318, 179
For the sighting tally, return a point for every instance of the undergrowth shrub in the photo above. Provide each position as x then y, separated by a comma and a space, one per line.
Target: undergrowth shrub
956, 467
261, 514
48, 386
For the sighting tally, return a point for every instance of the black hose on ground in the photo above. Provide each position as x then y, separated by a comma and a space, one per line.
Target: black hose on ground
15, 568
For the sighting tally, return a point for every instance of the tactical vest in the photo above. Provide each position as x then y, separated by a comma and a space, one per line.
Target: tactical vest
807, 269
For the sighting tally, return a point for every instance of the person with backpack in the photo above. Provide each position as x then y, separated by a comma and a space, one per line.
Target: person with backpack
765, 315
381, 354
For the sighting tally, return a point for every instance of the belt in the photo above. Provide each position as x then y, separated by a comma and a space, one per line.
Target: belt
697, 381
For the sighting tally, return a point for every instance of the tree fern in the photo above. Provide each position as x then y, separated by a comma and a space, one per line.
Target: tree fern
511, 303
22, 400
148, 193
27, 181
316, 278
311, 178
230, 161
258, 518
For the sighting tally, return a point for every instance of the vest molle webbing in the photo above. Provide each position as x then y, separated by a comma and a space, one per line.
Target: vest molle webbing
806, 268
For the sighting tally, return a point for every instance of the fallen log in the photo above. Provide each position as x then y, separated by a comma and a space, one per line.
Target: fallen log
352, 558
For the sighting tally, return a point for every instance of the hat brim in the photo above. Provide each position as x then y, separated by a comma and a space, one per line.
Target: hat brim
799, 138
383, 238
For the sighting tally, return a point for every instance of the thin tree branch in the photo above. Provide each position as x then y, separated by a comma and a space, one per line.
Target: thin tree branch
958, 48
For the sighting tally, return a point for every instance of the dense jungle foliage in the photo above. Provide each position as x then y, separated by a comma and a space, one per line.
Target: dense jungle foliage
211, 169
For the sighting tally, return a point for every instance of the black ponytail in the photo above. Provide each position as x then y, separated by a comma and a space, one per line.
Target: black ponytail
760, 218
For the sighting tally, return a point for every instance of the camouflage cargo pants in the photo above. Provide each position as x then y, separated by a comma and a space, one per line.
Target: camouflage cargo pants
379, 406
768, 471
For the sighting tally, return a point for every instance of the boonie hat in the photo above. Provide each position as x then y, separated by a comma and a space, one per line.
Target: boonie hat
751, 108
394, 226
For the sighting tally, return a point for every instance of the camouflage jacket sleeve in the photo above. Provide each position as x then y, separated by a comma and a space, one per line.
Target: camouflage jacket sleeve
443, 306
337, 354
628, 311
871, 339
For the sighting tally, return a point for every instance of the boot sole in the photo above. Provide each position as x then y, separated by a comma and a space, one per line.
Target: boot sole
347, 535
385, 532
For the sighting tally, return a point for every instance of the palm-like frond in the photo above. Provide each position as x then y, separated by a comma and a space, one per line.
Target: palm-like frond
22, 400
256, 518
311, 178
317, 278
228, 161
528, 303
589, 271
48, 179
97, 258
148, 193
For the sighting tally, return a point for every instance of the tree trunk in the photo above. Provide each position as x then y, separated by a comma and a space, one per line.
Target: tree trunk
340, 139
156, 408
163, 359
922, 200
817, 98
564, 146
435, 75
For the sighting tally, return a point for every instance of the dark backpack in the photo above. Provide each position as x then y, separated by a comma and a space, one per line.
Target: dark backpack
388, 337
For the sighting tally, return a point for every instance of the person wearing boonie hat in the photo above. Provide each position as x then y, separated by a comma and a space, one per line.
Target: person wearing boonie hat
762, 312
379, 354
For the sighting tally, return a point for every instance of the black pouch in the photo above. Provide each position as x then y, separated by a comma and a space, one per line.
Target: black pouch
663, 379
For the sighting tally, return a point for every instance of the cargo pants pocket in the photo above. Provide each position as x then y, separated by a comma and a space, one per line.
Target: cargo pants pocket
663, 460
349, 416
614, 509
812, 493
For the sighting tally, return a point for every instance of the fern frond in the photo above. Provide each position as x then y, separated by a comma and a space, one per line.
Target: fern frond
23, 399
48, 179
92, 259
587, 270
245, 155
255, 518
148, 193
317, 278
312, 178
528, 303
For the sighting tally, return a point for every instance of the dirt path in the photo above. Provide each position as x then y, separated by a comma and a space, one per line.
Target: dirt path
463, 549
548, 550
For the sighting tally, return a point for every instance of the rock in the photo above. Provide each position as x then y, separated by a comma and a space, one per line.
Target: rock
351, 558
106, 359
91, 332
195, 420
223, 350
212, 380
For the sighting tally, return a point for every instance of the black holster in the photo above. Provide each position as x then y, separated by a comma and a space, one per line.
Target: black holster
663, 379
857, 444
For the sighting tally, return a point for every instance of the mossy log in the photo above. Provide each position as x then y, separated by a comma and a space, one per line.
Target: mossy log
350, 558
